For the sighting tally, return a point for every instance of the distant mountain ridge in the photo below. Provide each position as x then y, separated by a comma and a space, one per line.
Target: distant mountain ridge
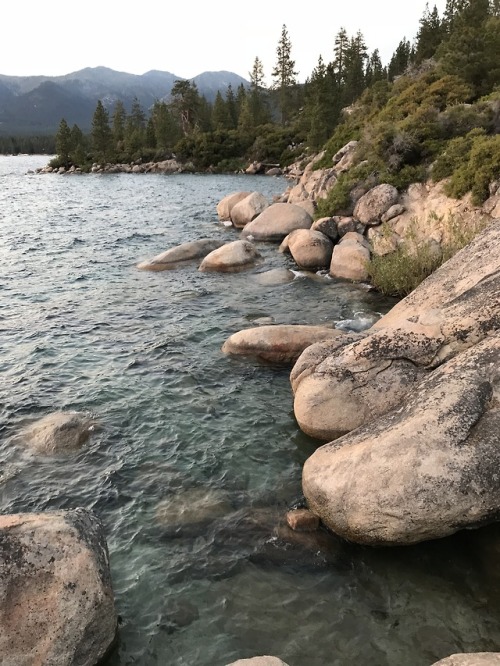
36, 104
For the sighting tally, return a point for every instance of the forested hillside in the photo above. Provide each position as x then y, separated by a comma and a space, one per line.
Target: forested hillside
437, 102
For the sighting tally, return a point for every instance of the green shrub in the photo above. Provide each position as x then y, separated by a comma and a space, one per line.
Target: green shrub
342, 135
338, 200
478, 171
401, 271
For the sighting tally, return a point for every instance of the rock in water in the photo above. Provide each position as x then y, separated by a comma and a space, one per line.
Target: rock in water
259, 661
59, 432
471, 659
180, 254
277, 221
422, 471
56, 598
226, 205
230, 258
248, 209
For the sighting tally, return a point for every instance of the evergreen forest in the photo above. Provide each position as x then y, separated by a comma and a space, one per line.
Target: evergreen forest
434, 105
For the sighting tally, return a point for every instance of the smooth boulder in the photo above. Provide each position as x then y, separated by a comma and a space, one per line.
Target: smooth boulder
280, 343
350, 258
277, 221
181, 253
248, 209
259, 661
311, 250
226, 205
455, 308
59, 432
231, 257
56, 598
424, 470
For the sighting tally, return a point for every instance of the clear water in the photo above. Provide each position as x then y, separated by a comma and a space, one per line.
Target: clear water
81, 328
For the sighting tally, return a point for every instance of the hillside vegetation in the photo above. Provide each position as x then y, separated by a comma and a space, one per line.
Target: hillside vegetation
434, 110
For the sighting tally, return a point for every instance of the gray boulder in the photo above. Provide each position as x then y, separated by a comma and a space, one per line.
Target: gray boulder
56, 598
327, 226
180, 254
277, 221
372, 205
259, 661
230, 258
471, 659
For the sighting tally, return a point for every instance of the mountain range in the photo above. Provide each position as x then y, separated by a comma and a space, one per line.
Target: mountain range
35, 104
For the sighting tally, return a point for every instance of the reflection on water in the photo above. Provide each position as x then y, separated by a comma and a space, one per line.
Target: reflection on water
198, 455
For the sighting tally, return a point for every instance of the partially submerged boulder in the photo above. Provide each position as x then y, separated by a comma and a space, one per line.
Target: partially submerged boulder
311, 250
56, 597
350, 258
422, 471
455, 308
181, 253
277, 221
230, 258
226, 205
59, 432
247, 209
281, 343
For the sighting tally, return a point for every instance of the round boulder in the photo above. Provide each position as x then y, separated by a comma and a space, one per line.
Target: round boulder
311, 250
277, 221
59, 432
471, 659
180, 254
350, 258
281, 343
231, 257
226, 205
327, 226
259, 661
372, 205
56, 599
248, 209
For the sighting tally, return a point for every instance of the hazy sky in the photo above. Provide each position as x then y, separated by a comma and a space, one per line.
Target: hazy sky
186, 38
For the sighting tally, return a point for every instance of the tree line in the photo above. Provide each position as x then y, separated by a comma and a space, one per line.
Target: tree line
275, 124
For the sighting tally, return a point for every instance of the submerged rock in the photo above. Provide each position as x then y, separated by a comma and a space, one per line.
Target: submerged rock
281, 343
56, 598
180, 254
193, 506
231, 257
59, 432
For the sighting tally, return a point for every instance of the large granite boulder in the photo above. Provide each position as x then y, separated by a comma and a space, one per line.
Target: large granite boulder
56, 598
180, 254
280, 343
226, 205
350, 258
59, 432
231, 257
455, 308
424, 470
248, 209
327, 226
372, 205
311, 250
277, 221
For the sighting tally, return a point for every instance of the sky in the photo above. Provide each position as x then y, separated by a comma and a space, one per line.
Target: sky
187, 38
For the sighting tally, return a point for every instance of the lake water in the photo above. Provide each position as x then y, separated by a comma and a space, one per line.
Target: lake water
182, 425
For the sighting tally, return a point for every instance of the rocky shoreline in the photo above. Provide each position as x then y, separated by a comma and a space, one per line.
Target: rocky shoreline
409, 408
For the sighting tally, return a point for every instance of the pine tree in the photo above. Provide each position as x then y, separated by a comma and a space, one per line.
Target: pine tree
429, 36
185, 104
231, 107
340, 50
374, 70
220, 115
64, 144
118, 125
101, 134
355, 56
150, 134
78, 146
284, 75
400, 59
167, 131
